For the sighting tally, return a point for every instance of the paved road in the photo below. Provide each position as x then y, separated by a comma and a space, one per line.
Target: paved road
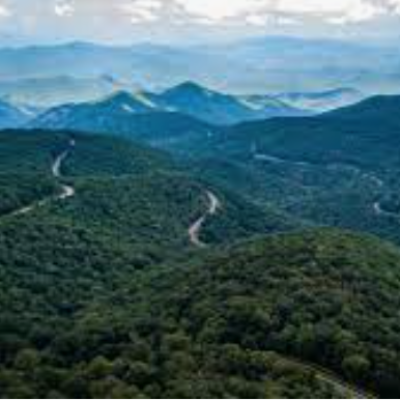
66, 190
194, 230
376, 206
56, 170
380, 211
346, 389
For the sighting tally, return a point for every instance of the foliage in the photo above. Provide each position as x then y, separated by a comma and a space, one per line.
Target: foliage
102, 296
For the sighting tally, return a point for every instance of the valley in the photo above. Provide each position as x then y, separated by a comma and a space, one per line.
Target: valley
172, 236
202, 238
376, 206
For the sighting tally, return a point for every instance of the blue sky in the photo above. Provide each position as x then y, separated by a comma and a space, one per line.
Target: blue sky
127, 21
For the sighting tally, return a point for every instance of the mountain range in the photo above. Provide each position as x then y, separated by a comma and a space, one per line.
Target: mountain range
322, 101
339, 168
188, 105
189, 243
45, 92
309, 162
12, 116
262, 65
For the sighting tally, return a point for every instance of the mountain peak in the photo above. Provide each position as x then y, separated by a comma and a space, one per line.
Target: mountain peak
188, 87
121, 96
131, 102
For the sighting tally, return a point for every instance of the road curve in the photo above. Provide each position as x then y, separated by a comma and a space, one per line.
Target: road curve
324, 375
377, 206
56, 170
380, 211
194, 230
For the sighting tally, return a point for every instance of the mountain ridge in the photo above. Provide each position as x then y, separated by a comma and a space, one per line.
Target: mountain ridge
191, 99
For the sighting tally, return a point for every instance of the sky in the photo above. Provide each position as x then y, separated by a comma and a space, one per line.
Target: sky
180, 21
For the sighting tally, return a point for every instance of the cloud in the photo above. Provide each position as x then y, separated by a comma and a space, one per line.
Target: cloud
142, 11
394, 5
259, 12
5, 12
338, 11
219, 10
64, 9
184, 20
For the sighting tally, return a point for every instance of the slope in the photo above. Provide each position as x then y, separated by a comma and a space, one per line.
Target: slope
311, 314
339, 169
12, 116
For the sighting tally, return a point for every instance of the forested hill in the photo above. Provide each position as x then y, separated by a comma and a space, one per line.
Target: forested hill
129, 276
327, 298
128, 173
366, 134
339, 169
311, 314
26, 159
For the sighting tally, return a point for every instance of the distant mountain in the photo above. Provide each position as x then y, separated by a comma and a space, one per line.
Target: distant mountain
274, 64
189, 106
380, 109
321, 101
271, 106
139, 64
77, 115
52, 91
258, 65
367, 133
136, 116
218, 108
12, 116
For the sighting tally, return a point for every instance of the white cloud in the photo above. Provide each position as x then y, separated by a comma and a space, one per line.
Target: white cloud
258, 12
256, 20
219, 10
314, 6
112, 20
338, 11
4, 11
395, 5
63, 9
141, 11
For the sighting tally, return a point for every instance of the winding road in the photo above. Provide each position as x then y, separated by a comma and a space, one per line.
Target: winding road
194, 230
376, 206
56, 170
379, 210
66, 190
346, 389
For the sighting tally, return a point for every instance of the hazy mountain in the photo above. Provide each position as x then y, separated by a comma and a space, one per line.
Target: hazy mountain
139, 65
287, 64
321, 101
136, 116
52, 91
219, 108
261, 65
12, 116
181, 107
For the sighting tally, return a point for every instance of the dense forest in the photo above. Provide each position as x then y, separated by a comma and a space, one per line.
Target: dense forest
103, 294
339, 169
